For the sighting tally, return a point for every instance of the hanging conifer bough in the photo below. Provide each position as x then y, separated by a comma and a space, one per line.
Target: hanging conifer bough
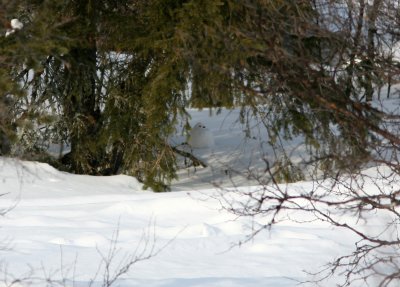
289, 62
82, 82
111, 78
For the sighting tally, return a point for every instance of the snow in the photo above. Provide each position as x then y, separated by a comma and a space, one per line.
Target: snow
16, 24
64, 227
9, 32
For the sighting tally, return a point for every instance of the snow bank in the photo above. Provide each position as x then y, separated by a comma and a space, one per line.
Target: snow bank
63, 221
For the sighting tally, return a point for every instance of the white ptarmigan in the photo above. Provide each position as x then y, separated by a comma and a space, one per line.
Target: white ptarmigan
200, 137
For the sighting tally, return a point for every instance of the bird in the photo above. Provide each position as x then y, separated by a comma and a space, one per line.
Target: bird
200, 137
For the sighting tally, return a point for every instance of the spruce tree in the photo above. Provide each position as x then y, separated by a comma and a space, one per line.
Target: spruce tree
285, 61
91, 87
111, 78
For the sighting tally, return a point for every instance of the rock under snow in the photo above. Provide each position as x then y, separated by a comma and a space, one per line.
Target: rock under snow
201, 137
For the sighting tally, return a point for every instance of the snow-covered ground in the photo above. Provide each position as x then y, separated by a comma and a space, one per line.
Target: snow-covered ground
62, 226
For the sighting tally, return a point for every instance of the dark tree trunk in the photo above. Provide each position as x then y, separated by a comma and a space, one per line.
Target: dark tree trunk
369, 67
81, 106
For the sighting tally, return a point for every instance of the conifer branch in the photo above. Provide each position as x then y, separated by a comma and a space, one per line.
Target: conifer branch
194, 159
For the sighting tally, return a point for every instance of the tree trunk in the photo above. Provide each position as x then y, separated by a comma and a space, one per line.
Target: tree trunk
81, 107
372, 13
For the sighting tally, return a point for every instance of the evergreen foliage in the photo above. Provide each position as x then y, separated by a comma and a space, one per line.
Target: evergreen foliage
110, 78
